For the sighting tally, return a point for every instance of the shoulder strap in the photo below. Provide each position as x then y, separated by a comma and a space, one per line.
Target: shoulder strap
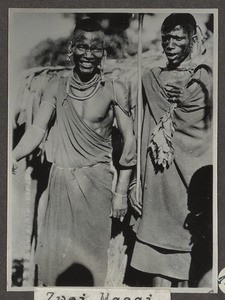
64, 83
127, 113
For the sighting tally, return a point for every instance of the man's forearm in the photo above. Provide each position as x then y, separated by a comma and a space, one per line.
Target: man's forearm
123, 181
30, 140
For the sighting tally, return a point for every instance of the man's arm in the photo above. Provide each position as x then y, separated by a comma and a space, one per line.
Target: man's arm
36, 132
201, 80
128, 157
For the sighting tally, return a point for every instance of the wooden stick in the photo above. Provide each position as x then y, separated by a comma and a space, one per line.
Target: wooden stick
139, 104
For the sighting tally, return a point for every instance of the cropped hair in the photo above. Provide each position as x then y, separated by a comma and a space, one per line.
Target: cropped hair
186, 21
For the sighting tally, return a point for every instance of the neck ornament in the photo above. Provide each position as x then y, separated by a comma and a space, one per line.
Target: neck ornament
74, 84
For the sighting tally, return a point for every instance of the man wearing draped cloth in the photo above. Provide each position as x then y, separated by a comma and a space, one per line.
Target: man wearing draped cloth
76, 228
176, 142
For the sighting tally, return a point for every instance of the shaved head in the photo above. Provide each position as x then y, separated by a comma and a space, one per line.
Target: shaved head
87, 25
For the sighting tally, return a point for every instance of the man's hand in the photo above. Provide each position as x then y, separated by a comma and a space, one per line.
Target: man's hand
136, 203
119, 205
14, 166
174, 92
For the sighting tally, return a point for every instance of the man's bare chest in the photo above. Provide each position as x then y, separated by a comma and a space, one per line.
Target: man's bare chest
96, 109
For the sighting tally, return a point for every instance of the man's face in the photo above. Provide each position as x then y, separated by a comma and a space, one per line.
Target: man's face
88, 51
177, 45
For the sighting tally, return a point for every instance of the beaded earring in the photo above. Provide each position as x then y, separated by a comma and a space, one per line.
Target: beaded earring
101, 67
69, 52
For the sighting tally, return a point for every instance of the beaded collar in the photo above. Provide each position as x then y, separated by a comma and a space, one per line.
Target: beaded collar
76, 84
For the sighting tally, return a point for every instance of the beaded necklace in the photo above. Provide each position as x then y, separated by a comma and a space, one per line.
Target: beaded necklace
73, 83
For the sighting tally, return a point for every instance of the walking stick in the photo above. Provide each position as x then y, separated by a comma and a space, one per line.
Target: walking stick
139, 105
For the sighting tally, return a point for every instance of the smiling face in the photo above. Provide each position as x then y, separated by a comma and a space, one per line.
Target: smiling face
88, 52
177, 45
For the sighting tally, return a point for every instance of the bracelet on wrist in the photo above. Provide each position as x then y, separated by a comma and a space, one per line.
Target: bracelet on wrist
132, 185
121, 195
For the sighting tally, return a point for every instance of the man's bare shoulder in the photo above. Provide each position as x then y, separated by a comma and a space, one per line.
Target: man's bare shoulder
120, 86
118, 90
109, 82
121, 93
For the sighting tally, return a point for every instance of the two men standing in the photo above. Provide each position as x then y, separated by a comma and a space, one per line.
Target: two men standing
176, 143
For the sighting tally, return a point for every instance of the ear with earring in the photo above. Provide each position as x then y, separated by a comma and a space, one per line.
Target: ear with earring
69, 51
102, 67
194, 45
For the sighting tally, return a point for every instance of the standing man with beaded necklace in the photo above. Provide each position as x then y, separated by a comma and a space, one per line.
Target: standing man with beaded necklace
176, 143
76, 228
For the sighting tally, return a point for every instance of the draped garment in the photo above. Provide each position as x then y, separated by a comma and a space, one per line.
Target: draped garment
165, 189
76, 230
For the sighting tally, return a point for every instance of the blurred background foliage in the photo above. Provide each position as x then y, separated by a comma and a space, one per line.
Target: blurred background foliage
120, 41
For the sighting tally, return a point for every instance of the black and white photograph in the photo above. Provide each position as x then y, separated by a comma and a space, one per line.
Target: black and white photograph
112, 149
